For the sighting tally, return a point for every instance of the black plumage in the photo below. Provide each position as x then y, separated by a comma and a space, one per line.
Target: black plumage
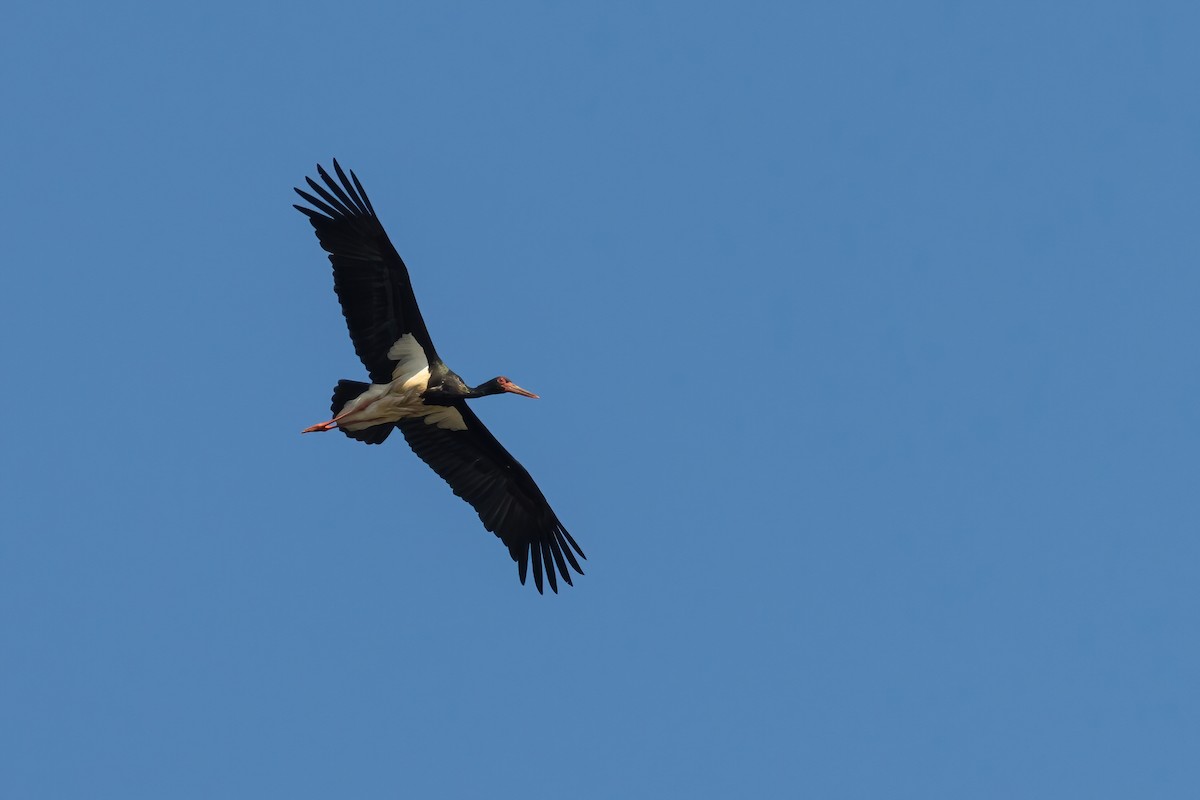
510, 504
377, 300
369, 276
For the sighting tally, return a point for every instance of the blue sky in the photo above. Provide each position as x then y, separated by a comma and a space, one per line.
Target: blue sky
866, 336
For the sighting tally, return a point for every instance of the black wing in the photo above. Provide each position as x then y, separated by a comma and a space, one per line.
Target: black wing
510, 504
371, 280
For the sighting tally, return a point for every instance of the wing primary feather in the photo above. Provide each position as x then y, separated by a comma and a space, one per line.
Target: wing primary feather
339, 191
535, 555
558, 559
361, 192
522, 563
547, 565
570, 539
329, 211
567, 551
550, 570
348, 187
345, 211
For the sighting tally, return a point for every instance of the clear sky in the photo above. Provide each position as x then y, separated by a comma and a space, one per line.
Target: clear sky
866, 335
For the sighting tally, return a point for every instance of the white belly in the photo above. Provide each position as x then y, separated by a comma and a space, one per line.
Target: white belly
383, 403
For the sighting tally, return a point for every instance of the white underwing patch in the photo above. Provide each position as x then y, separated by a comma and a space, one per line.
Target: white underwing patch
410, 360
446, 417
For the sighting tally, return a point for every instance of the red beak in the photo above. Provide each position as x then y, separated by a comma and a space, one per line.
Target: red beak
512, 387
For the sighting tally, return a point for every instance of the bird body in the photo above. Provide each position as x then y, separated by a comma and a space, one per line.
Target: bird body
404, 396
413, 390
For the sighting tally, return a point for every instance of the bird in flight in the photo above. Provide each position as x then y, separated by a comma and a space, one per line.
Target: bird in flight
411, 389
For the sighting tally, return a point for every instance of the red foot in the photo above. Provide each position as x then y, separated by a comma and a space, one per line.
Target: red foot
321, 426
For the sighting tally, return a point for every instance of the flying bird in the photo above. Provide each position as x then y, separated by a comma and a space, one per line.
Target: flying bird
411, 389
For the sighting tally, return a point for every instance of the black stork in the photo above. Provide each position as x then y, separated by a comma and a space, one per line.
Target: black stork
411, 389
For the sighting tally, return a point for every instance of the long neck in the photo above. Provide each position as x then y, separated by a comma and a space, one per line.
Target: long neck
485, 389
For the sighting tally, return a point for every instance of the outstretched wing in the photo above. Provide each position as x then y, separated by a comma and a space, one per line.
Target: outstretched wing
510, 504
369, 277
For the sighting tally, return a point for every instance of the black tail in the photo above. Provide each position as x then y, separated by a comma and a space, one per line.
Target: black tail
343, 393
